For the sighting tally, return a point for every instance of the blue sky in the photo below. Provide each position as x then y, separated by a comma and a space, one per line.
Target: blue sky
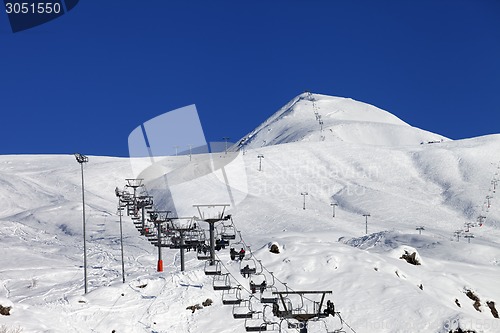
84, 81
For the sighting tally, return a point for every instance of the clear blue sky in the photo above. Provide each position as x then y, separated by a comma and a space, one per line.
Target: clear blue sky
84, 81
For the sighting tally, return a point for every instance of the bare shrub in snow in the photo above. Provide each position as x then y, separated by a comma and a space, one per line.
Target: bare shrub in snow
477, 301
5, 310
410, 258
494, 311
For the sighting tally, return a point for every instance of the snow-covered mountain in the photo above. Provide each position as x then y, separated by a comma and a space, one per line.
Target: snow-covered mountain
314, 117
384, 172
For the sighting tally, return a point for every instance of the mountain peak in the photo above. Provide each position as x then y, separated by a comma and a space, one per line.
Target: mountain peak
316, 117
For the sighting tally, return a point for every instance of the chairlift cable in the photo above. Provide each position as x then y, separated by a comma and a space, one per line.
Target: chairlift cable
344, 322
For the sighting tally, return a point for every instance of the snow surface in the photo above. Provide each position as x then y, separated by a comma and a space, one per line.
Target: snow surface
401, 183
315, 117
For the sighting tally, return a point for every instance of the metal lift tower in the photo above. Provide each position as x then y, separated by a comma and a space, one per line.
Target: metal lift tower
211, 220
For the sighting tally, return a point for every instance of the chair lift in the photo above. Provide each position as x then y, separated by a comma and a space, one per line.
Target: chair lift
267, 315
219, 238
232, 296
175, 241
191, 239
242, 310
152, 235
301, 314
228, 232
203, 248
214, 269
203, 252
238, 243
256, 323
248, 267
221, 282
267, 296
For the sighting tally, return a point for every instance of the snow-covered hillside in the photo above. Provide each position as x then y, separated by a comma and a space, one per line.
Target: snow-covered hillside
314, 117
399, 182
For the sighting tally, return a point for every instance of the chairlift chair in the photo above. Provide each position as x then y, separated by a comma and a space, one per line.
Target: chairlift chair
232, 296
238, 241
242, 310
256, 323
203, 251
175, 242
248, 267
192, 238
228, 232
258, 278
214, 269
267, 296
221, 282
151, 235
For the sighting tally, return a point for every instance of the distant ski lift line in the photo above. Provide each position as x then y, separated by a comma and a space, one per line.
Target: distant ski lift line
304, 195
260, 157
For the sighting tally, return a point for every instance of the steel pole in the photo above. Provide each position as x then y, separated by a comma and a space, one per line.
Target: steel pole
212, 244
84, 238
181, 233
143, 219
160, 261
121, 240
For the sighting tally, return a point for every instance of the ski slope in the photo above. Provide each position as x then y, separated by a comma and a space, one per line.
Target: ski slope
314, 117
386, 173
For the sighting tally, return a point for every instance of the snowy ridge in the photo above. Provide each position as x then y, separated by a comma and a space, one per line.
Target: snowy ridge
315, 117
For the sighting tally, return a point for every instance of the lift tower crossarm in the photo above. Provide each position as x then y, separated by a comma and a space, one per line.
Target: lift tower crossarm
211, 221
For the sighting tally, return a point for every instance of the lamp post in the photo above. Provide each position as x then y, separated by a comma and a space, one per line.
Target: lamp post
190, 151
83, 159
260, 157
225, 148
333, 206
304, 195
120, 210
366, 223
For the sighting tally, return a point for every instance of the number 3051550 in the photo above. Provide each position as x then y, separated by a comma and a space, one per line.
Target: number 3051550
32, 8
